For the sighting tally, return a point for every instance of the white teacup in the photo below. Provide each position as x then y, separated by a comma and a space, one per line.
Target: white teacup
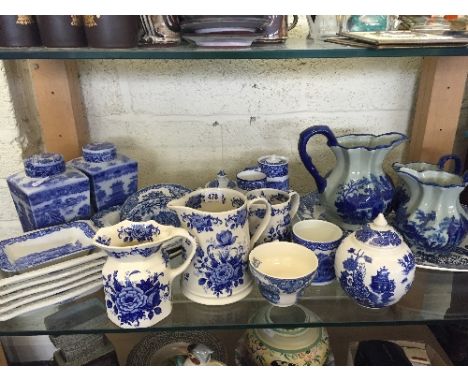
282, 270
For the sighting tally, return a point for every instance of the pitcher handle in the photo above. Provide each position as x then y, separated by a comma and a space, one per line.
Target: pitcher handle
456, 161
265, 221
295, 202
180, 232
294, 23
307, 160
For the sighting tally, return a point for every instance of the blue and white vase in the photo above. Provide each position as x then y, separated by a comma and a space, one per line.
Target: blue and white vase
374, 265
431, 217
136, 276
49, 193
113, 177
218, 219
357, 189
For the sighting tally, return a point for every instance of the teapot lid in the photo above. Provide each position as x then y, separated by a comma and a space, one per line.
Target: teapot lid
379, 234
44, 165
99, 152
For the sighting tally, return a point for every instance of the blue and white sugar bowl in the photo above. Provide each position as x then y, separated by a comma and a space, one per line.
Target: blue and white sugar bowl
113, 177
49, 193
374, 265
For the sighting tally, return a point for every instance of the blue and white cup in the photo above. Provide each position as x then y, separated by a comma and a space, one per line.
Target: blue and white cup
248, 180
284, 206
275, 168
323, 238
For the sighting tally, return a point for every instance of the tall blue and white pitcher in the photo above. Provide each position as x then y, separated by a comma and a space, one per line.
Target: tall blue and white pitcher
357, 189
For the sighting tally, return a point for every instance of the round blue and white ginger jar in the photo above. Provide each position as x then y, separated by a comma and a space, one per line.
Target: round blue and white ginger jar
374, 265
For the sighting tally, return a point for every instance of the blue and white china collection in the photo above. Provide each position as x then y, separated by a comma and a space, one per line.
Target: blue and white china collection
323, 238
284, 206
137, 277
48, 192
357, 189
282, 270
229, 235
218, 219
113, 177
374, 265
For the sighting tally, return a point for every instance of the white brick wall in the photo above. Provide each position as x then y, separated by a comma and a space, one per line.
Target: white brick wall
184, 120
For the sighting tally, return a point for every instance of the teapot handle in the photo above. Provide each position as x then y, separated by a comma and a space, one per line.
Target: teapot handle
456, 161
181, 233
307, 160
265, 221
295, 202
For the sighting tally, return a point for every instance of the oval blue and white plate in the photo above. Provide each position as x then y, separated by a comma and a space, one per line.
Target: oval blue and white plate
150, 203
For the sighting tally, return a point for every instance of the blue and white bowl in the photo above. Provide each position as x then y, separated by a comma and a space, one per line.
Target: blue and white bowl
282, 270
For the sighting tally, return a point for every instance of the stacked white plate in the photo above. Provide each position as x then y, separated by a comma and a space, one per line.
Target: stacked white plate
48, 267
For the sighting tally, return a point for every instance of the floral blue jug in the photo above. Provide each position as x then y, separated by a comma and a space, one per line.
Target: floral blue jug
357, 189
431, 217
137, 275
218, 219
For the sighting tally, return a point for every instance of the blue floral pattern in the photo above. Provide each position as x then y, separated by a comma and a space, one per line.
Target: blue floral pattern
237, 220
133, 302
138, 232
378, 294
104, 240
408, 264
427, 237
201, 223
360, 201
221, 268
378, 238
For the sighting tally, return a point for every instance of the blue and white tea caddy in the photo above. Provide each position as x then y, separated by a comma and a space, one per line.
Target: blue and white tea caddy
49, 193
113, 177
374, 265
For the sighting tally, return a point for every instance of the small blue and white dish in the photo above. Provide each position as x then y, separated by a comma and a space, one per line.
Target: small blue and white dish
46, 246
282, 271
248, 180
113, 177
150, 203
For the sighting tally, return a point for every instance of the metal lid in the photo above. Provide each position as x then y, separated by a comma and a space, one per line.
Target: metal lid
99, 152
43, 165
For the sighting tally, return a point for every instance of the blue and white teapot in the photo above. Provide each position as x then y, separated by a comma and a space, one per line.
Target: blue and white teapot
357, 189
431, 217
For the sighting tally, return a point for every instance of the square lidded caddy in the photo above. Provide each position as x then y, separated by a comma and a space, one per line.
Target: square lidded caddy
113, 177
49, 193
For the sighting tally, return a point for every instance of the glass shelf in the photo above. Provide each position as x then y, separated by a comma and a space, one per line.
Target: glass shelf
293, 48
436, 297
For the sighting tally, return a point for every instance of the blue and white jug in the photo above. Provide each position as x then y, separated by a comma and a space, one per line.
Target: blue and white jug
431, 218
137, 275
357, 189
218, 219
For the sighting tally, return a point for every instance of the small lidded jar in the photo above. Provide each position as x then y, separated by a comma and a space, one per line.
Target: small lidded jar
113, 177
374, 265
49, 193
